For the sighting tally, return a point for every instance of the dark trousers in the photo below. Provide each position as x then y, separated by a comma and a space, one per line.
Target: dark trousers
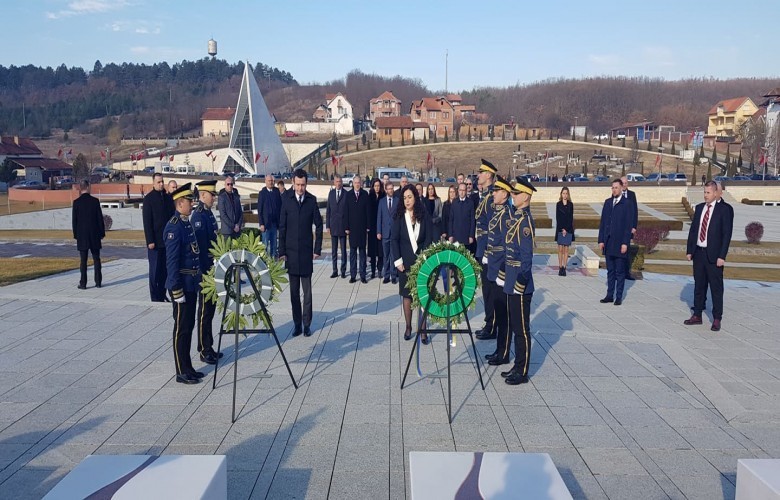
98, 267
503, 341
388, 270
183, 323
487, 298
616, 276
335, 242
519, 307
707, 274
158, 273
353, 261
206, 310
300, 316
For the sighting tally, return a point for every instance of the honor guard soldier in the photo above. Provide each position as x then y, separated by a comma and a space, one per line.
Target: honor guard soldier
483, 213
518, 280
495, 257
183, 263
205, 225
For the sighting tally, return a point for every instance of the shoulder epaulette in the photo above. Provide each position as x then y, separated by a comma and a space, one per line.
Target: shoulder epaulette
174, 220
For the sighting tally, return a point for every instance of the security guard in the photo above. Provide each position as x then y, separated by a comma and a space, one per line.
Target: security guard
183, 263
483, 214
205, 225
494, 257
519, 282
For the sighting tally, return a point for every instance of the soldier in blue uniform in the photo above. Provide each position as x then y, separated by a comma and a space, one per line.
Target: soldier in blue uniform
183, 263
205, 225
518, 281
494, 257
483, 213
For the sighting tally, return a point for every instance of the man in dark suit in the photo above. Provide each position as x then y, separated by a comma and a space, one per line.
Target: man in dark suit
336, 224
630, 196
231, 213
299, 213
708, 245
614, 238
269, 203
357, 229
88, 230
157, 210
462, 222
384, 225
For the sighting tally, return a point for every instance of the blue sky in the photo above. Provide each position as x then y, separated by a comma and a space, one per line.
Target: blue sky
489, 43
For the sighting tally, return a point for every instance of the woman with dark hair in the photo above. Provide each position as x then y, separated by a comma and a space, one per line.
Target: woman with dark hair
564, 228
411, 233
433, 205
374, 251
446, 208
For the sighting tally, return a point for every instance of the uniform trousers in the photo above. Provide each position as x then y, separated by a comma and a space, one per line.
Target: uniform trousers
83, 267
183, 323
520, 327
503, 341
206, 310
487, 298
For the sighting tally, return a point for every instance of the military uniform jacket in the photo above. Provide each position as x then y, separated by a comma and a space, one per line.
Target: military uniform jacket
182, 256
495, 253
518, 278
204, 223
483, 213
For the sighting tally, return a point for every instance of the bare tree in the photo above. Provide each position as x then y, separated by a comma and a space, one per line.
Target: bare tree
753, 134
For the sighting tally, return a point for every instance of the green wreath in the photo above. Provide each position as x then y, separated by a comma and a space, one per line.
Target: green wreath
423, 274
251, 249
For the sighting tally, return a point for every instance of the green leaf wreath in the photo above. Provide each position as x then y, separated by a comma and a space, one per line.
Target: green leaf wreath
251, 243
423, 274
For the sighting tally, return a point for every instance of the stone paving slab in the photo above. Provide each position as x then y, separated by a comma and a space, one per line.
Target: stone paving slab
628, 402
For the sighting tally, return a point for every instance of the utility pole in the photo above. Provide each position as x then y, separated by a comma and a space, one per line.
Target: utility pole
446, 69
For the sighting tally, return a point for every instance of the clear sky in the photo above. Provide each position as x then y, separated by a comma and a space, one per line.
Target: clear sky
489, 43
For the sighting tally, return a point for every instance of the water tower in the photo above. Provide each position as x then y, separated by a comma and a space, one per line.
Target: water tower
212, 47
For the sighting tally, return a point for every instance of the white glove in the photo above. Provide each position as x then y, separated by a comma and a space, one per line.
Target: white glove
499, 282
180, 300
484, 259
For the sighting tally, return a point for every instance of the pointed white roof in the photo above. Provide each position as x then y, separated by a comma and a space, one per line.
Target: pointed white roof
254, 143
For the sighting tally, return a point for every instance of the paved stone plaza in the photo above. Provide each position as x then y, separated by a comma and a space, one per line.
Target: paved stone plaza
628, 402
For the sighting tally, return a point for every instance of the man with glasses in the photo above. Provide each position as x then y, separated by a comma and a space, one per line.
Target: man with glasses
231, 214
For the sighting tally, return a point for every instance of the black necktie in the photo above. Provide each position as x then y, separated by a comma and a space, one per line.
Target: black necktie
338, 196
390, 204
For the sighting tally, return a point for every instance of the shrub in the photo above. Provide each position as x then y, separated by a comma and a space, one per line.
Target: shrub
746, 201
647, 237
754, 232
108, 222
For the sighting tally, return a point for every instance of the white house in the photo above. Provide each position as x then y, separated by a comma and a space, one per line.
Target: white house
340, 113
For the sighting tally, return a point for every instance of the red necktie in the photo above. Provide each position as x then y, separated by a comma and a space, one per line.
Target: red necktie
704, 221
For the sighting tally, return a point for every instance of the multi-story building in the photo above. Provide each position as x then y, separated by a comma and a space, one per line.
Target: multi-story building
400, 129
438, 112
338, 110
727, 115
383, 106
216, 121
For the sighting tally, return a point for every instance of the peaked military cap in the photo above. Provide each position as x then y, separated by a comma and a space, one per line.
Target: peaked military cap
501, 183
184, 191
523, 186
487, 167
208, 186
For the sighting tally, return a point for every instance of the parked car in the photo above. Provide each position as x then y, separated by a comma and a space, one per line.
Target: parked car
148, 170
721, 178
678, 177
290, 133
601, 178
621, 135
635, 177
63, 182
450, 180
741, 178
656, 177
581, 178
30, 185
603, 137
103, 172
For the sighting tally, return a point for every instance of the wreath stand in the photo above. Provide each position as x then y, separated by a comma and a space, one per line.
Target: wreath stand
451, 268
236, 269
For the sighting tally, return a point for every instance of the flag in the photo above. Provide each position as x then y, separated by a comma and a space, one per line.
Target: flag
209, 153
102, 155
132, 156
428, 161
162, 155
109, 154
257, 157
761, 160
334, 160
59, 153
657, 160
140, 155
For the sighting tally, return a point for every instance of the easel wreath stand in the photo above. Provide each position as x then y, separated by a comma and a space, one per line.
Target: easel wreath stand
444, 310
222, 286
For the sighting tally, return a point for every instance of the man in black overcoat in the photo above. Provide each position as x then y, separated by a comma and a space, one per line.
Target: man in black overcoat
357, 229
462, 224
299, 213
336, 224
88, 230
157, 211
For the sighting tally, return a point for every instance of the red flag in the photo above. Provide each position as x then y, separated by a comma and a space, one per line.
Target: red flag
59, 153
657, 160
257, 157
761, 160
162, 155
428, 161
214, 158
102, 155
334, 160
209, 153
170, 158
140, 155
132, 156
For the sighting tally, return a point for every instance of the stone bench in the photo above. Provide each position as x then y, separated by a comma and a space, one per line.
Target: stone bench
587, 257
449, 475
758, 479
112, 204
145, 476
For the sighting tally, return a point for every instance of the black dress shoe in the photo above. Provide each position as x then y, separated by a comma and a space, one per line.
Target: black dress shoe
352, 280
187, 379
198, 375
334, 275
395, 281
98, 285
618, 302
363, 280
516, 379
306, 331
498, 361
343, 275
82, 287
386, 281
486, 337
607, 300
208, 358
408, 333
510, 372
425, 339
490, 356
563, 271
630, 278
297, 331
479, 332
217, 354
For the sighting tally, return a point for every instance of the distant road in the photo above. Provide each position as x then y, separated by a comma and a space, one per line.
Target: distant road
27, 249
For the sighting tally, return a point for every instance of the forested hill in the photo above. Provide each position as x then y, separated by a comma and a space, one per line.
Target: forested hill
147, 99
